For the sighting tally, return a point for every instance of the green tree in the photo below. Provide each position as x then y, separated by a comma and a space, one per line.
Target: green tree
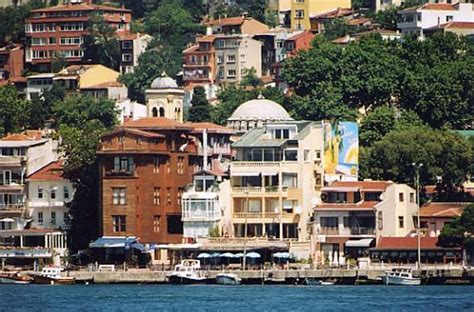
200, 108
388, 18
101, 45
251, 79
336, 28
14, 111
376, 125
12, 21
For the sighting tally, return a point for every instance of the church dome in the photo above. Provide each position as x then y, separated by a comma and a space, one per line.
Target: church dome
164, 82
260, 109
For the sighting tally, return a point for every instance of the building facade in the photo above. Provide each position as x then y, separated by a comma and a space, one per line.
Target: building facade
302, 10
417, 19
58, 31
131, 47
11, 63
165, 99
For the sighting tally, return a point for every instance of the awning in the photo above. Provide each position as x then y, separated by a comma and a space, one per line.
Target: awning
244, 174
361, 243
7, 220
139, 247
113, 242
270, 173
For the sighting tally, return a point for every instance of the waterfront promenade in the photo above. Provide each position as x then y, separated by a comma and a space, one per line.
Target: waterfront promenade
343, 276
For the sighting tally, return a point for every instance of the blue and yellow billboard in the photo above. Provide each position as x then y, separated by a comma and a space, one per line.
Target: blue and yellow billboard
341, 148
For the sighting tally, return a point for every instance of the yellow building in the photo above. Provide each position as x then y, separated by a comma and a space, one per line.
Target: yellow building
302, 10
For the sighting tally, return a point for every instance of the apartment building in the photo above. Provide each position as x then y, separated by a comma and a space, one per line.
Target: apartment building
435, 215
59, 31
431, 15
11, 63
303, 10
235, 25
131, 47
353, 214
235, 55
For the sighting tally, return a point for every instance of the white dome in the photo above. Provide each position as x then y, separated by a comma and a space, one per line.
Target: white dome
164, 82
260, 109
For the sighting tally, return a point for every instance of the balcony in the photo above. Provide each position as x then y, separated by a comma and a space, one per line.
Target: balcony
255, 189
193, 216
196, 77
362, 231
14, 161
12, 207
255, 164
328, 231
121, 173
346, 231
18, 252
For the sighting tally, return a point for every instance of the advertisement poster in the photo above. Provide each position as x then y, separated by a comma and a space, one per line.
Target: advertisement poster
341, 149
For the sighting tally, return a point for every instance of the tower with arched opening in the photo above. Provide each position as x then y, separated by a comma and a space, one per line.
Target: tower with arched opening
165, 99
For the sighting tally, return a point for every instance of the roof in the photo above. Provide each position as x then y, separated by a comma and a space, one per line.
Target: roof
455, 25
208, 38
164, 82
51, 172
298, 35
80, 7
260, 109
127, 36
252, 139
139, 132
358, 185
443, 209
191, 49
362, 205
228, 21
339, 12
406, 243
105, 85
41, 76
211, 127
431, 6
156, 123
18, 137
357, 21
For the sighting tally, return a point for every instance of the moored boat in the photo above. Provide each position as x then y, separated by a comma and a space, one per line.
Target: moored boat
319, 282
228, 279
14, 278
188, 272
52, 275
400, 276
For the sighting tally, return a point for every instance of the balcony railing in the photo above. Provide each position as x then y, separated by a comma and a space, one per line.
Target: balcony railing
346, 231
120, 173
328, 231
257, 164
12, 207
362, 231
17, 252
201, 216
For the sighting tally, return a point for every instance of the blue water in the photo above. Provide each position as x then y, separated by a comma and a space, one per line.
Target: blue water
235, 298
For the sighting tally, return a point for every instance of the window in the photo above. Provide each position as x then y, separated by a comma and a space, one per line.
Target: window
119, 196
175, 225
156, 164
449, 18
306, 155
317, 154
40, 218
231, 73
219, 59
38, 41
156, 196
67, 219
40, 192
180, 195
291, 155
72, 26
412, 197
168, 166
52, 40
290, 180
120, 223
126, 57
380, 219
53, 193
231, 58
329, 222
53, 217
40, 54
180, 168
346, 222
123, 164
400, 197
221, 72
242, 58
71, 40
168, 196
299, 1
126, 45
220, 43
66, 192
401, 223
299, 14
72, 53
156, 224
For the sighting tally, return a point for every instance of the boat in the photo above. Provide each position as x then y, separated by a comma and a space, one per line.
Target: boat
188, 272
14, 278
228, 279
274, 280
52, 275
400, 276
319, 282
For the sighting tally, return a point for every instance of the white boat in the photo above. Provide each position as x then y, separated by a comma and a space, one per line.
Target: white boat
52, 275
228, 279
14, 278
400, 276
319, 282
188, 272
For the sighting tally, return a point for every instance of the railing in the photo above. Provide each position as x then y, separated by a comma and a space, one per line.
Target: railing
328, 231
248, 215
247, 189
195, 77
12, 207
221, 150
362, 231
201, 216
17, 252
120, 173
240, 164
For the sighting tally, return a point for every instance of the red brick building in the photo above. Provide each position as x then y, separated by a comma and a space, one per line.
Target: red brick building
11, 64
59, 31
145, 166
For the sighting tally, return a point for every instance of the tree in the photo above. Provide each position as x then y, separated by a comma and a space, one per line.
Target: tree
459, 232
101, 45
12, 21
200, 109
81, 122
336, 28
388, 18
376, 125
14, 111
251, 79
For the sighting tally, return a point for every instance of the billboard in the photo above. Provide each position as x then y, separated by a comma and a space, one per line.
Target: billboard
341, 149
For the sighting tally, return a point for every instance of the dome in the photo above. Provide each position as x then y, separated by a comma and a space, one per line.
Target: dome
164, 82
260, 109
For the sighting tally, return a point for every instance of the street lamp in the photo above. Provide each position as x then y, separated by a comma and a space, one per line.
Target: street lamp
417, 185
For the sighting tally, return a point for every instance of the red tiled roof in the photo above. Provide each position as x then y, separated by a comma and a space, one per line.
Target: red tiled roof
80, 7
52, 172
147, 134
228, 21
334, 13
191, 49
211, 127
127, 36
18, 137
406, 243
443, 210
208, 38
109, 84
431, 6
357, 21
296, 36
455, 25
363, 185
156, 123
367, 205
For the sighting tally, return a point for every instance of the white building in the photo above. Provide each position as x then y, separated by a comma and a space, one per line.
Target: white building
131, 47
130, 110
37, 84
417, 19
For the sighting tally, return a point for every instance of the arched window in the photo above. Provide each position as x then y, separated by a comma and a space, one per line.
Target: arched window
154, 112
178, 113
162, 112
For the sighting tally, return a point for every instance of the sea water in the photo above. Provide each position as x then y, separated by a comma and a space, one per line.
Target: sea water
235, 298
